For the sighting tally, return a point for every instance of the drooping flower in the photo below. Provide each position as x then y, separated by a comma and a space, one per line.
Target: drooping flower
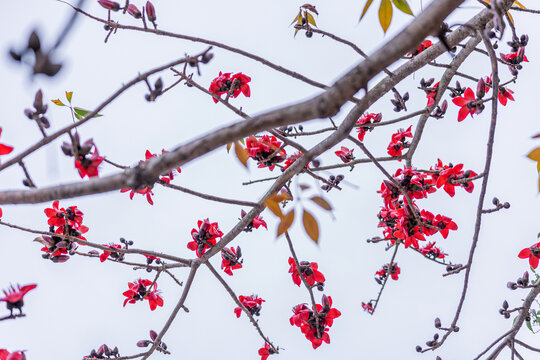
252, 303
256, 223
170, 175
144, 191
13, 297
533, 253
5, 149
265, 151
308, 270
266, 351
115, 255
138, 291
370, 118
205, 237
345, 154
231, 259
468, 104
89, 166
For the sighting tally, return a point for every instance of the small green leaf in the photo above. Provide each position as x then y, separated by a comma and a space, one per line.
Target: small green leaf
528, 323
403, 6
310, 19
69, 94
80, 113
366, 7
58, 102
385, 14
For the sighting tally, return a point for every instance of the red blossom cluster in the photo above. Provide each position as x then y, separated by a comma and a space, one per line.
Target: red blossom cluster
315, 324
407, 222
231, 259
368, 307
232, 85
115, 255
5, 149
423, 46
138, 291
370, 118
386, 269
205, 237
17, 355
67, 222
399, 142
13, 297
308, 270
345, 154
86, 161
252, 303
255, 223
532, 253
262, 150
291, 159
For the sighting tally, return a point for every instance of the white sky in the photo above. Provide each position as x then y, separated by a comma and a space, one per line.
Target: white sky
78, 305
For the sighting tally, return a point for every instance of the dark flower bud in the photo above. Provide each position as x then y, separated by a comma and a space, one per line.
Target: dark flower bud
418, 348
507, 316
158, 85
93, 252
325, 187
505, 305
109, 5
115, 350
520, 281
153, 335
501, 311
38, 100
513, 71
325, 302
133, 11
150, 11
524, 39
206, 58
456, 328
309, 34
340, 177
405, 96
481, 88
29, 113
436, 337
104, 349
525, 278
60, 258
495, 201
430, 343
316, 163
44, 121
33, 42
143, 343
377, 118
438, 358
437, 323
506, 205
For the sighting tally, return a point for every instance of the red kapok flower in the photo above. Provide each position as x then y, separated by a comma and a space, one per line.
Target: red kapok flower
262, 150
231, 259
533, 253
399, 141
137, 291
368, 307
468, 105
144, 191
106, 253
423, 46
5, 149
309, 271
445, 224
431, 251
345, 154
256, 223
252, 303
14, 296
224, 84
17, 355
89, 166
266, 351
291, 159
205, 237
370, 118
431, 94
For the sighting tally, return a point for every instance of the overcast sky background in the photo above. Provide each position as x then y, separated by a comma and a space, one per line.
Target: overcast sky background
78, 305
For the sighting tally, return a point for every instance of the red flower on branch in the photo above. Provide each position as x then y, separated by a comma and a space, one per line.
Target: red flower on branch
423, 46
291, 159
448, 174
370, 118
265, 151
168, 177
231, 259
533, 253
252, 303
106, 253
445, 224
368, 307
266, 351
13, 297
504, 93
345, 154
308, 270
17, 355
68, 221
256, 223
144, 191
431, 251
205, 237
399, 141
138, 291
431, 94
89, 166
393, 270
468, 104
5, 149
227, 84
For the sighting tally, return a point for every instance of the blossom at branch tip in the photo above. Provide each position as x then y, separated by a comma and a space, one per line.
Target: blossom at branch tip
231, 259
308, 270
138, 291
263, 150
266, 351
399, 141
13, 296
234, 85
89, 166
105, 255
468, 104
368, 307
533, 253
205, 237
255, 223
370, 118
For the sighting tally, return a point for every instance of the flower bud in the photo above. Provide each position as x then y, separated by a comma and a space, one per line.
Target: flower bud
33, 42
143, 343
437, 323
153, 335
150, 11
109, 5
481, 88
133, 11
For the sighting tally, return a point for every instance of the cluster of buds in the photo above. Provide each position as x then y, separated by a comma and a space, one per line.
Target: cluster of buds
194, 62
103, 352
132, 10
40, 109
440, 110
504, 310
334, 182
156, 91
42, 60
290, 130
517, 56
399, 101
521, 282
162, 347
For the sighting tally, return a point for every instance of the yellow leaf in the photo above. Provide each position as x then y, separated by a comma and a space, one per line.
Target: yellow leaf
297, 19
403, 6
310, 19
241, 153
510, 17
535, 154
286, 222
519, 4
366, 7
538, 167
321, 202
58, 102
280, 197
311, 226
69, 95
274, 207
385, 14
310, 8
304, 187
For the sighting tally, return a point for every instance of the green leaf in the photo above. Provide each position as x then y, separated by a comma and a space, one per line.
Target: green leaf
528, 323
403, 6
366, 7
69, 94
310, 19
58, 102
80, 113
385, 14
